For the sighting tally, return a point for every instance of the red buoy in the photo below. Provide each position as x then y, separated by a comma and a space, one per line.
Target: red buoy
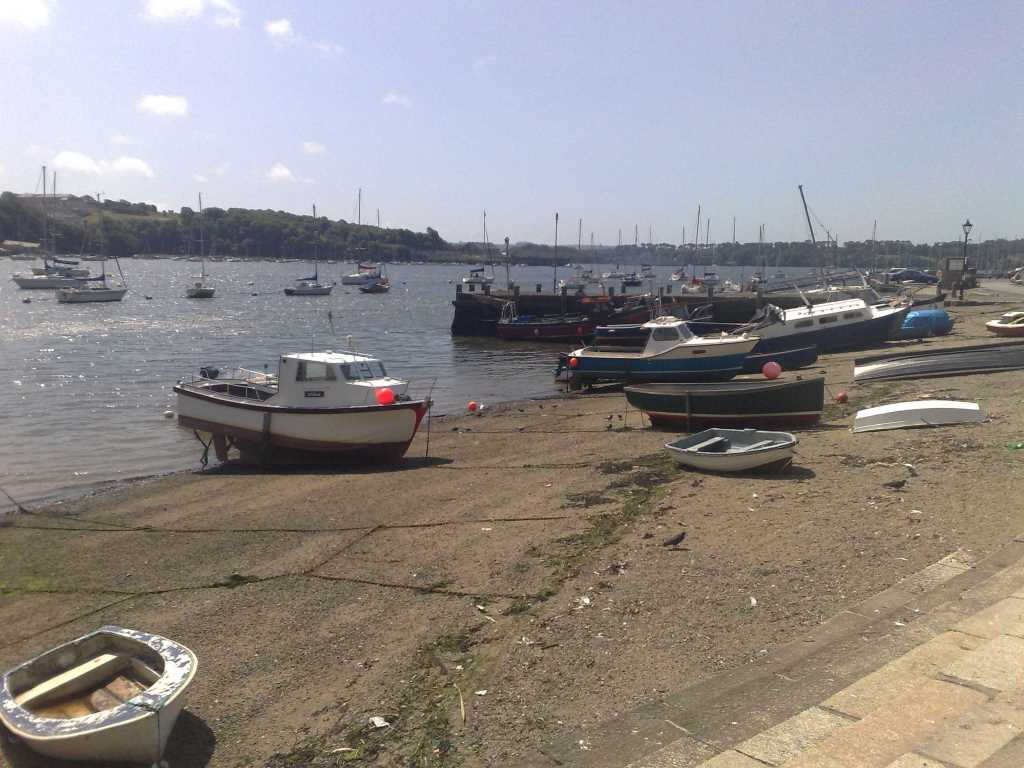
472, 405
842, 397
771, 370
573, 362
385, 396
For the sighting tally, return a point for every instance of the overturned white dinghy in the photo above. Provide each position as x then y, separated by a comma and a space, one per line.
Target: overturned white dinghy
111, 696
917, 413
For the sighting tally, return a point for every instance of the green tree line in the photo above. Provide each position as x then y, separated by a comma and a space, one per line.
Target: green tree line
120, 228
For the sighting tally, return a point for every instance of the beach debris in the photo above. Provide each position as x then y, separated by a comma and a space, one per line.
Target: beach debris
379, 722
481, 692
336, 750
462, 703
525, 641
1016, 446
673, 541
581, 602
895, 484
753, 601
618, 568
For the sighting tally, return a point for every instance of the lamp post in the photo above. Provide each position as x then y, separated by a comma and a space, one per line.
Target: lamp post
963, 275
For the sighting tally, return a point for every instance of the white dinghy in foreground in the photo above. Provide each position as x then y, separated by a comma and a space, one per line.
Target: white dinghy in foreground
110, 696
917, 413
734, 450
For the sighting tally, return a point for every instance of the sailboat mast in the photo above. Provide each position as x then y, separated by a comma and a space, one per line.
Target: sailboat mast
696, 235
46, 216
814, 242
579, 238
359, 207
316, 250
554, 278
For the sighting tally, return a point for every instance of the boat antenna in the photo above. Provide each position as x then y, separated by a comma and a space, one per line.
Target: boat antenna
554, 278
696, 236
814, 242
508, 259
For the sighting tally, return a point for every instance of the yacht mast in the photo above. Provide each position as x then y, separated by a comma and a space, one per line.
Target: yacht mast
814, 242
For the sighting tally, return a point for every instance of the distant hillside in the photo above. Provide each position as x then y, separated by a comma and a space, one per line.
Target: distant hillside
129, 228
122, 228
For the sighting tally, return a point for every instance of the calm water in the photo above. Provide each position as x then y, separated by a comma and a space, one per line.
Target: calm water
83, 387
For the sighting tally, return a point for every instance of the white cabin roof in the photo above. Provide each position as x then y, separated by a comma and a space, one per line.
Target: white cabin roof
666, 321
331, 358
825, 308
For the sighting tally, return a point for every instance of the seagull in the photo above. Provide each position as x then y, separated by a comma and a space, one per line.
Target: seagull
674, 541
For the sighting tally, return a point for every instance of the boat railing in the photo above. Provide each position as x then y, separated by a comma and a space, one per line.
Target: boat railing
249, 382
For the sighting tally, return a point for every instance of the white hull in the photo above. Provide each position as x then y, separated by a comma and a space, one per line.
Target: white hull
43, 281
917, 413
337, 430
738, 462
744, 450
86, 295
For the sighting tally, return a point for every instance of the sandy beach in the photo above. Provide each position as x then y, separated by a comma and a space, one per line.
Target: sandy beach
513, 585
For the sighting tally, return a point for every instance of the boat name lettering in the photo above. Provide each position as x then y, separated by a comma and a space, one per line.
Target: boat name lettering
314, 393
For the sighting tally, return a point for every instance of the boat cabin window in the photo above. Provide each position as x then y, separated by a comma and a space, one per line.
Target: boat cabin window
310, 370
852, 315
363, 370
665, 334
804, 323
826, 319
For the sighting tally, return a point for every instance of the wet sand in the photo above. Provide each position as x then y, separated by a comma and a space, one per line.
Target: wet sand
518, 574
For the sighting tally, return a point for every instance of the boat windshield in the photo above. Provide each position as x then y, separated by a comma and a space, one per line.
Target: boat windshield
363, 370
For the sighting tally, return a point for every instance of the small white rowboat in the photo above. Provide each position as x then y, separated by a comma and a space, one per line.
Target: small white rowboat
734, 450
111, 696
917, 413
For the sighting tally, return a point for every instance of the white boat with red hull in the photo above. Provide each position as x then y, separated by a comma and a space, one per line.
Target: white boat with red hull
319, 405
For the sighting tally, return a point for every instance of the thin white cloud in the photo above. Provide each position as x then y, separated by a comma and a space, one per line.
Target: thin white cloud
164, 10
328, 49
394, 98
159, 104
120, 138
228, 14
27, 14
199, 178
484, 62
313, 148
132, 165
225, 12
75, 162
279, 172
280, 30
38, 152
221, 169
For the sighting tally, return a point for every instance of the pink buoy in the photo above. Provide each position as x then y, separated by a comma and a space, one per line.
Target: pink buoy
771, 370
842, 397
472, 405
385, 396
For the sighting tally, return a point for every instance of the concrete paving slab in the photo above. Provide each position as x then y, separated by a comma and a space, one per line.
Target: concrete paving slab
791, 737
975, 736
1010, 756
1004, 618
892, 730
997, 664
902, 675
732, 759
911, 760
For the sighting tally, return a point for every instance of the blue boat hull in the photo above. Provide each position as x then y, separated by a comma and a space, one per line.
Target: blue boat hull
634, 369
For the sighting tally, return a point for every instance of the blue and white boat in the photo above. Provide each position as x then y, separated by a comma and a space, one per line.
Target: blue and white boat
671, 353
831, 325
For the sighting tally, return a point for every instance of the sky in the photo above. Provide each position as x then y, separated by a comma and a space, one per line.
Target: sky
622, 114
